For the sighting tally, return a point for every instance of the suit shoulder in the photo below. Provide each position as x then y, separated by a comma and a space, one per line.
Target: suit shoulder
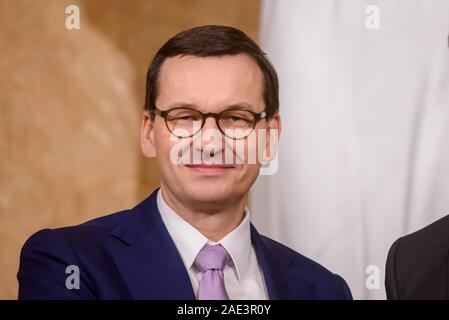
299, 261
44, 261
434, 237
43, 241
309, 273
66, 239
107, 221
416, 263
95, 228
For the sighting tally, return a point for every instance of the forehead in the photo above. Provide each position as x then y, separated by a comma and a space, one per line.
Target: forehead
211, 81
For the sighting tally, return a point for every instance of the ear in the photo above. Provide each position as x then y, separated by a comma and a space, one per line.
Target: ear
273, 132
147, 136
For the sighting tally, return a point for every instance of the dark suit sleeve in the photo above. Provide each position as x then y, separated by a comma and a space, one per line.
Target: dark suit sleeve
390, 272
42, 271
346, 292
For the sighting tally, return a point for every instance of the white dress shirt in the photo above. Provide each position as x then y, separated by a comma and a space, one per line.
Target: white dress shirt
242, 274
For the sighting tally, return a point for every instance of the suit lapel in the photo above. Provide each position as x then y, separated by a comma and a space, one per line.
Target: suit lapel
152, 268
280, 279
150, 263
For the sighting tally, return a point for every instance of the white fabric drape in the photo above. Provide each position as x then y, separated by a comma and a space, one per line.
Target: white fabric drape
364, 151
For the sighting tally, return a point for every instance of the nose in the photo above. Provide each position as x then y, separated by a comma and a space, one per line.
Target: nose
210, 123
211, 138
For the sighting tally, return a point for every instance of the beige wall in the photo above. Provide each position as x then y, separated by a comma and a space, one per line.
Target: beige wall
70, 107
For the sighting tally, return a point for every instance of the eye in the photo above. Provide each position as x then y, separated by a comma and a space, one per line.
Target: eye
235, 118
185, 118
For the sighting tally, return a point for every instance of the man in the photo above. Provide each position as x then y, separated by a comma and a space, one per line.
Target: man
418, 264
192, 238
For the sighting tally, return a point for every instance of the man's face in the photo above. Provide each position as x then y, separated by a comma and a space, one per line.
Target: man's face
208, 84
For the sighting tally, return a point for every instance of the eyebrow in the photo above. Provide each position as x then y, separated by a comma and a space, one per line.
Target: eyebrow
242, 105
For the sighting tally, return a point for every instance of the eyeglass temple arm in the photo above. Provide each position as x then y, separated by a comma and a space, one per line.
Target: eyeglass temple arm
158, 112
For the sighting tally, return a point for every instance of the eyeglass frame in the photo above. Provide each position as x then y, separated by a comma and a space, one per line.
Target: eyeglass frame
216, 115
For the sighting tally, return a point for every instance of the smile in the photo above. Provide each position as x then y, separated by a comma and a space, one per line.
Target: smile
210, 169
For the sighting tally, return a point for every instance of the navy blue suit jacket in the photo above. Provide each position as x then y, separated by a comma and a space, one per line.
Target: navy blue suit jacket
130, 255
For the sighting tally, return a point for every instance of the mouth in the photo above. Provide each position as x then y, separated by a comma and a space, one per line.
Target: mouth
210, 169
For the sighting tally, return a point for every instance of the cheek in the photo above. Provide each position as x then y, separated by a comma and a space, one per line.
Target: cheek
251, 171
162, 141
255, 145
170, 151
251, 164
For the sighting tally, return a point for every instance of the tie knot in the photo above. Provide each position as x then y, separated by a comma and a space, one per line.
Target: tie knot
211, 258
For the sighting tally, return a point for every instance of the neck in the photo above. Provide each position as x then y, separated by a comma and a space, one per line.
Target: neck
214, 221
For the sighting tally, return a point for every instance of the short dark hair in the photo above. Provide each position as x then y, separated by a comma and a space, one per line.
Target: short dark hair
214, 40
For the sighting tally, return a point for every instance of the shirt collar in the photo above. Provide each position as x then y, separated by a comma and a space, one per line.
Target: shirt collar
189, 240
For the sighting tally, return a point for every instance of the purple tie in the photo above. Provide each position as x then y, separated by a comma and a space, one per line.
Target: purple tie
210, 261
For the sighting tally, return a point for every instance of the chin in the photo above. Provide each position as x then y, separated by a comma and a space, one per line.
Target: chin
205, 192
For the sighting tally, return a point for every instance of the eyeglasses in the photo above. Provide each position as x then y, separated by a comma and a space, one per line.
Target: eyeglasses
185, 122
